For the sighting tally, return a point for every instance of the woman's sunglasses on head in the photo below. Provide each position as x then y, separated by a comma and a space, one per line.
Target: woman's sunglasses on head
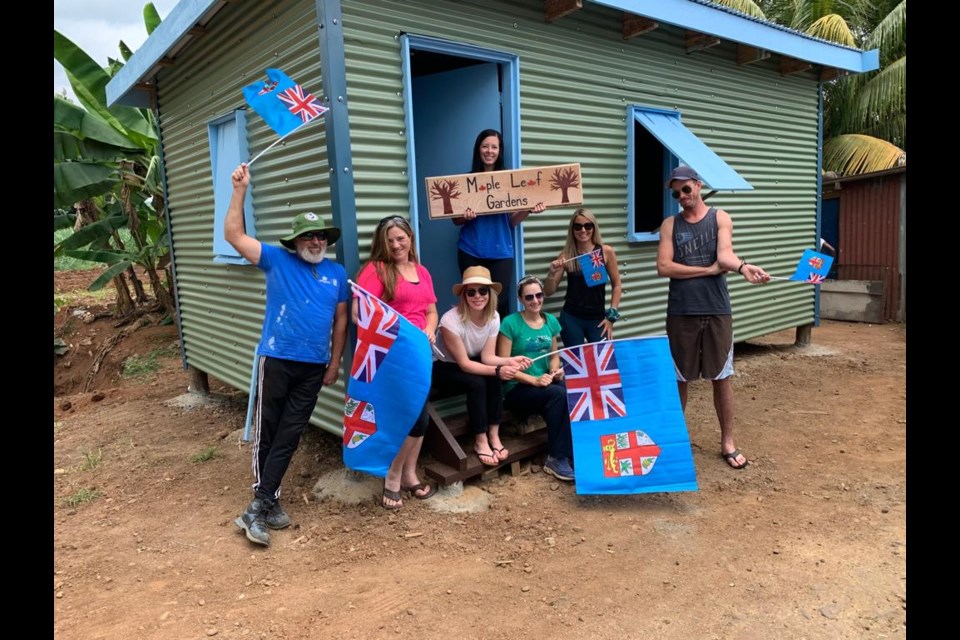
480, 291
686, 190
577, 226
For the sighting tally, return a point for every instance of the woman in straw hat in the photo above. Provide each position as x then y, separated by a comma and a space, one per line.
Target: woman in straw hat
469, 364
395, 275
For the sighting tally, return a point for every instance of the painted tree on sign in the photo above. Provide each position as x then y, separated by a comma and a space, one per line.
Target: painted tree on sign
564, 179
446, 190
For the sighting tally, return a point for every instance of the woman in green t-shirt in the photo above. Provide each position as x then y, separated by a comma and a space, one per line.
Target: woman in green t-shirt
539, 389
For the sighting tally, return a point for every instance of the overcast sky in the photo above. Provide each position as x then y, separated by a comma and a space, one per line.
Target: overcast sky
98, 26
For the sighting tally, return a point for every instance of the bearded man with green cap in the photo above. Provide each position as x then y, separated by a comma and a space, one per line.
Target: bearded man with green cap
301, 345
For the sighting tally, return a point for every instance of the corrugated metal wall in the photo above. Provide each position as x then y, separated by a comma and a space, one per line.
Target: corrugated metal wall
870, 236
222, 305
577, 77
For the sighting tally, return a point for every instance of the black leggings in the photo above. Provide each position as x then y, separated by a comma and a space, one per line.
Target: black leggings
484, 403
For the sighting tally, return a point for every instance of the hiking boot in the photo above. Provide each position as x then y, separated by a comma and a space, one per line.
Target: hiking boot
253, 522
276, 517
559, 468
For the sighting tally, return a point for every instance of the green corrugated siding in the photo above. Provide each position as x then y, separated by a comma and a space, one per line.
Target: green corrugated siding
222, 305
577, 77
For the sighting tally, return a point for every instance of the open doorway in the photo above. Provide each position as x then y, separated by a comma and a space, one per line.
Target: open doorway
453, 92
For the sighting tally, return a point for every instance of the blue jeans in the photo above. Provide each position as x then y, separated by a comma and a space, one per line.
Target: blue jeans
574, 330
551, 403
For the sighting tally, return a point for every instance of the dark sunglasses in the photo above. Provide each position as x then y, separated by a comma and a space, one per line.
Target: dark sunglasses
530, 297
580, 227
310, 235
482, 291
398, 219
685, 188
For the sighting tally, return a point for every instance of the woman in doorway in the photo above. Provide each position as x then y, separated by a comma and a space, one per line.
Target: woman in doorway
469, 363
487, 240
394, 274
584, 317
539, 389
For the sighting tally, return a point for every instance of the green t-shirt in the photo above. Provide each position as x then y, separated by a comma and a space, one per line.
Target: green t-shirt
529, 342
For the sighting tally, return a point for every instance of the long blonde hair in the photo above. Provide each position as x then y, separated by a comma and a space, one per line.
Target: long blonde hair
570, 246
380, 253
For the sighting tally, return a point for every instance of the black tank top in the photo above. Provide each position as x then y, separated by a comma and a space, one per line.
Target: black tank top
583, 301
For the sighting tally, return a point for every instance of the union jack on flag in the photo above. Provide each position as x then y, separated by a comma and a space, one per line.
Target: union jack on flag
813, 267
596, 258
301, 103
815, 278
594, 387
377, 328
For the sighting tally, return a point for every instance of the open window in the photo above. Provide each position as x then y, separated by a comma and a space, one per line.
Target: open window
656, 143
228, 148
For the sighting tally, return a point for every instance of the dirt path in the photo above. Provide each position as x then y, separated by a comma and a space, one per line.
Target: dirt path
808, 542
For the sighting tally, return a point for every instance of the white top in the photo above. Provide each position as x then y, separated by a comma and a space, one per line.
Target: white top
474, 338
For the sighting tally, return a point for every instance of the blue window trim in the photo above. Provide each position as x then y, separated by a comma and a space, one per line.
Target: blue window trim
220, 167
670, 161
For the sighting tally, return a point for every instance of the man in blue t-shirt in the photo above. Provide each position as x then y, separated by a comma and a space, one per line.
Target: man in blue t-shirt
301, 344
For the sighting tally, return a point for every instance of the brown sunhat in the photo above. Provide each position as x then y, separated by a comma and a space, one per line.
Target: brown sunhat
477, 275
309, 221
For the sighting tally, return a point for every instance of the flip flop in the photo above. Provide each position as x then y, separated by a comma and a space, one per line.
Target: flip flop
490, 456
731, 459
391, 495
419, 486
501, 453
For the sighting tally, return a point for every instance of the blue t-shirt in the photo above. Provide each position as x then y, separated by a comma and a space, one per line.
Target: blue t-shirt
489, 236
302, 300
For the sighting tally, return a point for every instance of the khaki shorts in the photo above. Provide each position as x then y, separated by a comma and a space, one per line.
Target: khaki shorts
701, 346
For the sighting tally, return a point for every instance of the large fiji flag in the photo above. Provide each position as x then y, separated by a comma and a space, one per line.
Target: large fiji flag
594, 268
629, 435
282, 103
389, 382
813, 267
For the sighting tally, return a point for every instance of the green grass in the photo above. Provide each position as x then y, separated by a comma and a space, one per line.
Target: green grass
82, 496
91, 460
207, 454
137, 366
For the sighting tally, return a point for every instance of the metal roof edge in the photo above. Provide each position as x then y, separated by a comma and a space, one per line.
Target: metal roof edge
719, 21
122, 88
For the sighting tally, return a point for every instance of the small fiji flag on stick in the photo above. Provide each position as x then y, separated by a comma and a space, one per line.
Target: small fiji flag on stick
283, 104
812, 268
593, 267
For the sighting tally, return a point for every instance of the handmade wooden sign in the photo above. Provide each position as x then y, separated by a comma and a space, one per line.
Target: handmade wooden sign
502, 191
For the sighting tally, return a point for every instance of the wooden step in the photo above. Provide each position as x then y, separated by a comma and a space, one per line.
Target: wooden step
520, 448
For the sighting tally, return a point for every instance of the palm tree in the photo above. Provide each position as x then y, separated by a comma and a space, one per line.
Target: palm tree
865, 115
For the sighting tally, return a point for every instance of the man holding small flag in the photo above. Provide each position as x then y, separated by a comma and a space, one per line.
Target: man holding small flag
696, 253
301, 344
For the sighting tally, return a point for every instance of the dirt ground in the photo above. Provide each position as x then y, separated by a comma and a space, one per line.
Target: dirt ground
808, 542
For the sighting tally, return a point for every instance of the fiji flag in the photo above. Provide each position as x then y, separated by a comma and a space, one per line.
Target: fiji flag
388, 384
282, 103
813, 267
629, 435
593, 267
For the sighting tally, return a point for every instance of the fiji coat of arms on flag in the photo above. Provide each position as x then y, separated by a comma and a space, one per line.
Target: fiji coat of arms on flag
594, 268
813, 267
629, 433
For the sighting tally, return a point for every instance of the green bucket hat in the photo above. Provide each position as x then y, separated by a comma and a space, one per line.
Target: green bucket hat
309, 222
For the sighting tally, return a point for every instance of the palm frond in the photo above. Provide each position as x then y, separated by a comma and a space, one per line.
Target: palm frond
834, 28
885, 92
748, 7
853, 154
890, 35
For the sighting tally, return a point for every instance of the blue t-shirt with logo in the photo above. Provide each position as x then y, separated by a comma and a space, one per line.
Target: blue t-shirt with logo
302, 300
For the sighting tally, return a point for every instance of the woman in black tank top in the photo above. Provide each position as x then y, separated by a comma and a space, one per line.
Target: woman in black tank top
585, 317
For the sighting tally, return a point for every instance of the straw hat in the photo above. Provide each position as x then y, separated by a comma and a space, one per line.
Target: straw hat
477, 275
